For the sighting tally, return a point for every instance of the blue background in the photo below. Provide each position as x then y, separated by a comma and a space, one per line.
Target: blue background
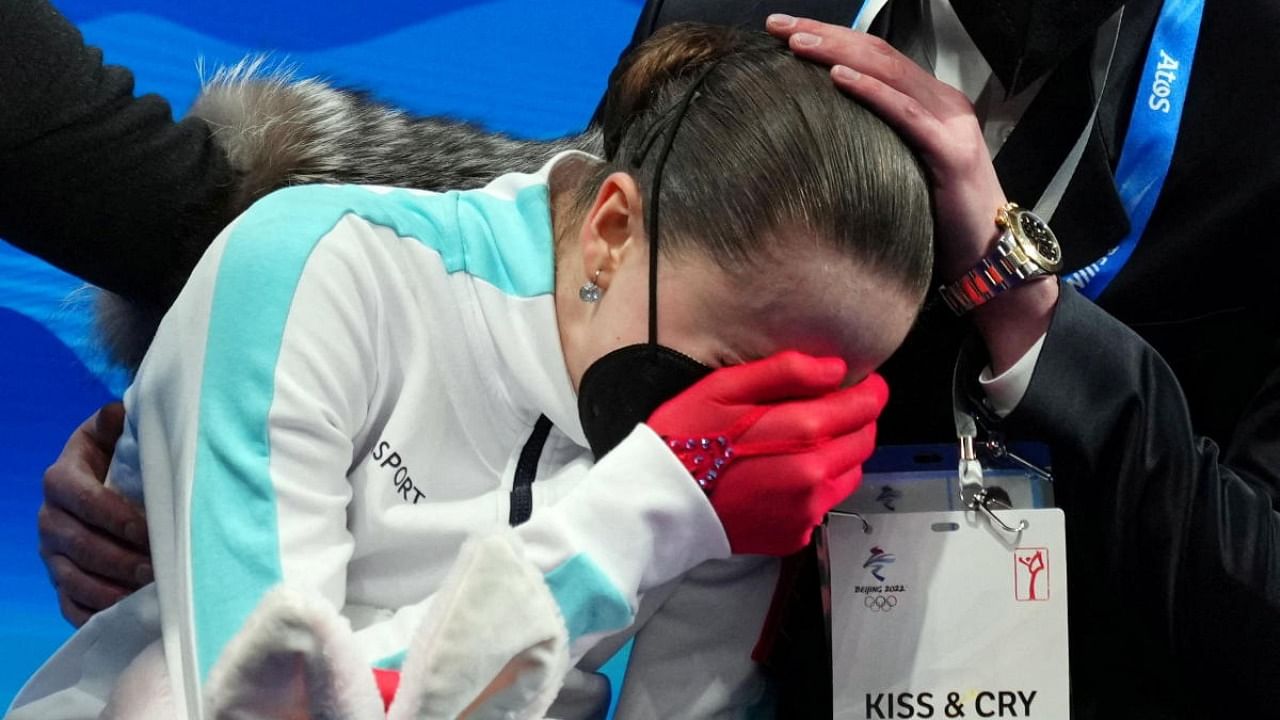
534, 69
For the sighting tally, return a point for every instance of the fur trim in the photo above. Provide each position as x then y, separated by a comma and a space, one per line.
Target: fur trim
125, 329
294, 657
278, 131
494, 644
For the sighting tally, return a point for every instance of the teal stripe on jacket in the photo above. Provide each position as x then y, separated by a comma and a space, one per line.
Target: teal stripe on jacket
588, 599
235, 551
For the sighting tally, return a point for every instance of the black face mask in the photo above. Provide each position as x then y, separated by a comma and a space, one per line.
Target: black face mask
623, 388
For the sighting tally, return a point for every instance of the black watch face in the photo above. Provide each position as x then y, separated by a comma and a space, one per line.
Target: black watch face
1035, 231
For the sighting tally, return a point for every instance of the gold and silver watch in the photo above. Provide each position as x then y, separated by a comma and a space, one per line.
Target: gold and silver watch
1026, 249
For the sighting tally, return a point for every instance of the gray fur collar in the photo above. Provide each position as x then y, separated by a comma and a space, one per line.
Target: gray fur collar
279, 131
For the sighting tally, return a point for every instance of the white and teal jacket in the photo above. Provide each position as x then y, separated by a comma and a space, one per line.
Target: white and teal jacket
337, 403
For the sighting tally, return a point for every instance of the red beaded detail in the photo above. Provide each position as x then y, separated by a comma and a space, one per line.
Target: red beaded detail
705, 458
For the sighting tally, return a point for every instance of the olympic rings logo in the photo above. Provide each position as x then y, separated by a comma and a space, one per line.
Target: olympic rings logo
880, 603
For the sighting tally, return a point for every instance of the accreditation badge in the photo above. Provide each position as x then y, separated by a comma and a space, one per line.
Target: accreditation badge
944, 615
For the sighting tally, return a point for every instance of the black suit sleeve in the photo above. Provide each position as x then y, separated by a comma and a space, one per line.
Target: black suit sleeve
95, 181
1174, 549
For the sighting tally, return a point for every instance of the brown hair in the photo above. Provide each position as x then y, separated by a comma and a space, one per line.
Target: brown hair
767, 145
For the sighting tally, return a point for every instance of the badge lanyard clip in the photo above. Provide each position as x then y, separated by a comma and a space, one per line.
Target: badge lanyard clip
974, 495
995, 448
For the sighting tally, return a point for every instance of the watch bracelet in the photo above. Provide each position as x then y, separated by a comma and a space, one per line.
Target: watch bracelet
1005, 267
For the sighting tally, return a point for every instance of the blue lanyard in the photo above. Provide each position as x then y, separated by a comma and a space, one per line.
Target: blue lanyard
1153, 132
862, 9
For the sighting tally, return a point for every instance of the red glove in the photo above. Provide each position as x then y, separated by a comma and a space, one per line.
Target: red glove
775, 443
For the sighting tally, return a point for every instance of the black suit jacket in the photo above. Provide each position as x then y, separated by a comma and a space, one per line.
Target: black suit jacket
1161, 403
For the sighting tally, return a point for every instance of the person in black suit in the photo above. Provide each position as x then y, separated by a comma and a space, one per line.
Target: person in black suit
147, 190
1161, 401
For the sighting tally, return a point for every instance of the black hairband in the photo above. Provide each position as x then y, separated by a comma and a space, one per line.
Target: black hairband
672, 120
625, 387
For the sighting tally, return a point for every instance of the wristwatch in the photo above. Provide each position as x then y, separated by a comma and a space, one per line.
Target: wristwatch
1026, 249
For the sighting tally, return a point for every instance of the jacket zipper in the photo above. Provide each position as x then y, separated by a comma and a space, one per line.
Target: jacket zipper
527, 472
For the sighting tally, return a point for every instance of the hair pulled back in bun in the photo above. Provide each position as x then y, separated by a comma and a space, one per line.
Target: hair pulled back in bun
767, 146
669, 56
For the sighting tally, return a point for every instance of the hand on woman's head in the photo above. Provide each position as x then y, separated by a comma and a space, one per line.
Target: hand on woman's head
935, 118
940, 124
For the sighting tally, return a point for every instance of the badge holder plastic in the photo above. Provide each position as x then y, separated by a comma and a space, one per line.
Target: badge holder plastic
945, 576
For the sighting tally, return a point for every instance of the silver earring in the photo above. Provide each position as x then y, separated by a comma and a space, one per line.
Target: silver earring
591, 292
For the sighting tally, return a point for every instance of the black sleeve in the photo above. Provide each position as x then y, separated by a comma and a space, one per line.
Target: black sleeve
1174, 550
95, 181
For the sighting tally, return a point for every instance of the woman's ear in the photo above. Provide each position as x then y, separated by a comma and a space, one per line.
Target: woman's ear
613, 228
